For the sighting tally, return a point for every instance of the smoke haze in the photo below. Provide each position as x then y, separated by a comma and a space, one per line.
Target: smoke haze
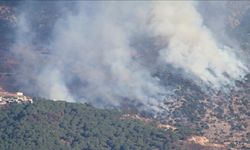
109, 52
191, 45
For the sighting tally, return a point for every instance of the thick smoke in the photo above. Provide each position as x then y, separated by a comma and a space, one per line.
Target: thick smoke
192, 47
107, 52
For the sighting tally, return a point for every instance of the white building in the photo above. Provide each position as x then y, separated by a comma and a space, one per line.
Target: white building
19, 93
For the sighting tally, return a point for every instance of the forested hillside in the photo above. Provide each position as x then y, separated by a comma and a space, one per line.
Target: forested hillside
61, 125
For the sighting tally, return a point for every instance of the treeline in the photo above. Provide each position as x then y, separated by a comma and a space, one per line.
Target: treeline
60, 125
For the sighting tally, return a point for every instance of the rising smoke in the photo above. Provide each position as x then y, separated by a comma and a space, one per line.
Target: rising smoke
192, 47
108, 52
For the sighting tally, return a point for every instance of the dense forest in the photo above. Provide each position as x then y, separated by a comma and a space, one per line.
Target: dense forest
60, 125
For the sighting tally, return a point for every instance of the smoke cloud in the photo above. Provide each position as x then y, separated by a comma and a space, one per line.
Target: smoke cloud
108, 52
192, 47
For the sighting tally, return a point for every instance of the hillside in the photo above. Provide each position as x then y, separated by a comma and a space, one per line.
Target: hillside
192, 116
60, 125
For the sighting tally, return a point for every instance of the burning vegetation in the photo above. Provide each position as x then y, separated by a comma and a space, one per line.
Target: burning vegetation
164, 64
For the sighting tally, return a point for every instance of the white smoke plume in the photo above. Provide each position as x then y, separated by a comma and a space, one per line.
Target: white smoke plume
97, 48
191, 45
92, 57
